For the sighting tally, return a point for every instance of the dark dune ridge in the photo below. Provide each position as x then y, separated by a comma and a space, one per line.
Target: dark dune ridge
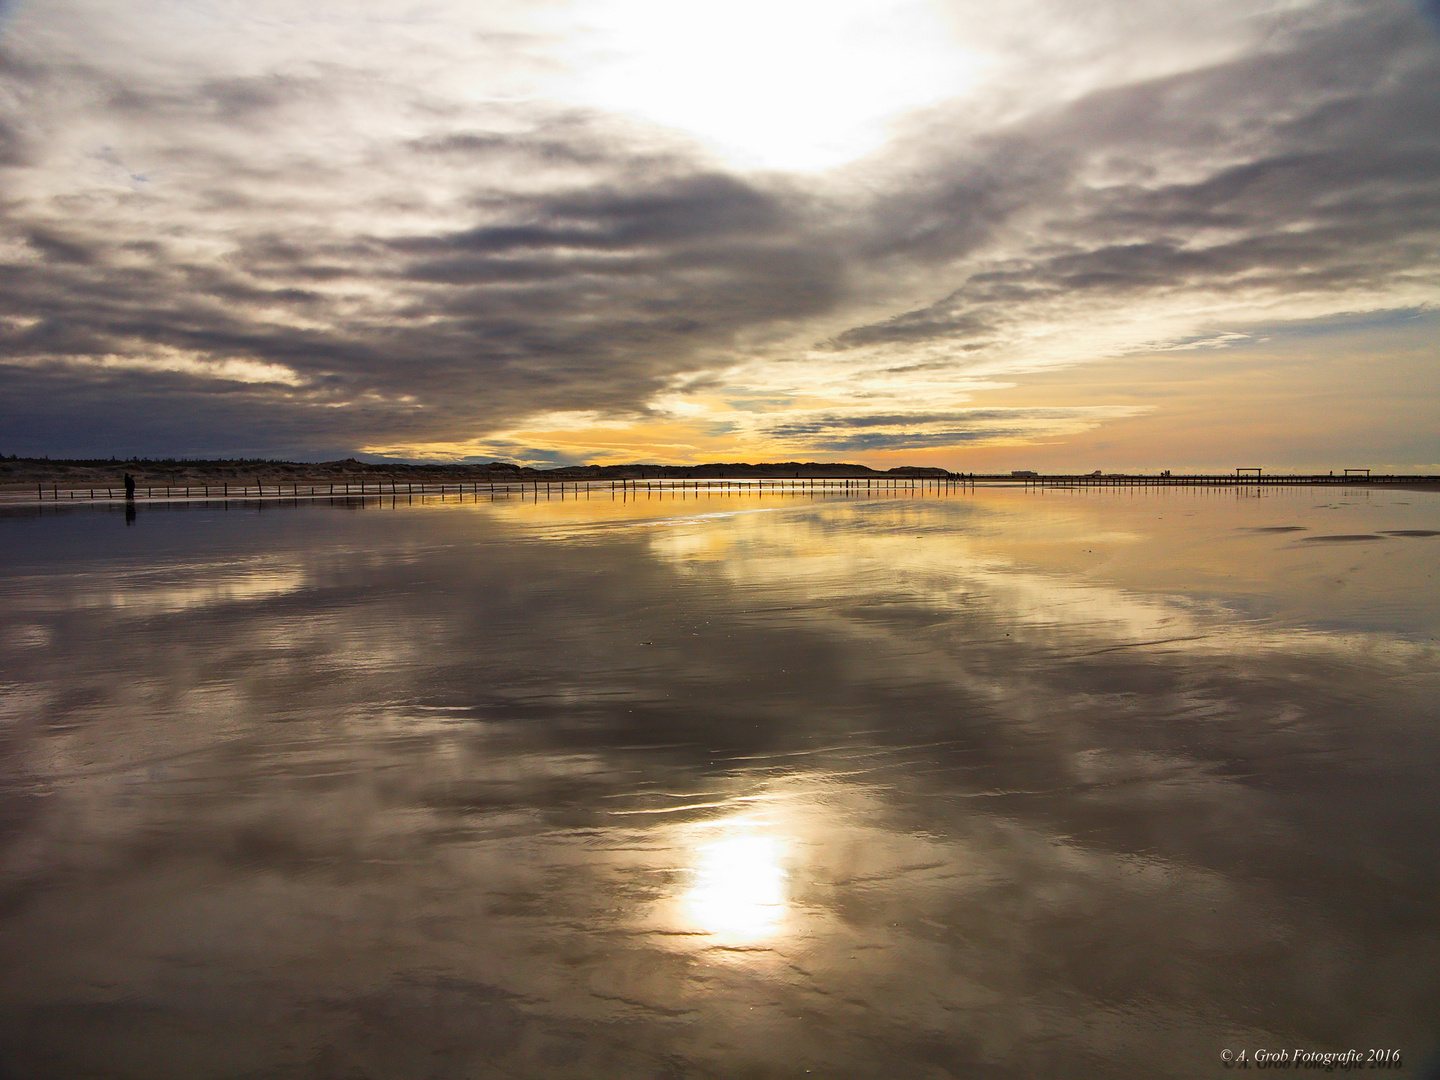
102, 472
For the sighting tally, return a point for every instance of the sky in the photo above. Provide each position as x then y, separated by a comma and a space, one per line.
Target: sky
1054, 234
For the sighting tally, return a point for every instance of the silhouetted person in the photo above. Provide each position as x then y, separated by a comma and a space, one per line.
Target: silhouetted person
129, 488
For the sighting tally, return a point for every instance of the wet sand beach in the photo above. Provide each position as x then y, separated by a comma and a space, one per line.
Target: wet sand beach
969, 783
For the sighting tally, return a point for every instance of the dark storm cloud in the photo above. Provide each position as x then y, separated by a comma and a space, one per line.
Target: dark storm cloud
696, 254
395, 267
708, 209
126, 412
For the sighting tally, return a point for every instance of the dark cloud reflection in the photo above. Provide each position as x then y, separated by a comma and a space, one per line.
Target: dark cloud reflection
330, 789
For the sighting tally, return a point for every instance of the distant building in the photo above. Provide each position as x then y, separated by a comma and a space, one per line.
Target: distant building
1097, 472
1023, 472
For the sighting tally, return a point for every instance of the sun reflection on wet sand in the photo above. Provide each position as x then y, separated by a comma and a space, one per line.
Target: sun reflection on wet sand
738, 890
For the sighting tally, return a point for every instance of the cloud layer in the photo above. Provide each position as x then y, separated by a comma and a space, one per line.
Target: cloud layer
305, 229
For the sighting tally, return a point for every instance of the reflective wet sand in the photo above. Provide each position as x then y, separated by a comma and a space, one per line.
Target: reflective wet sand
990, 783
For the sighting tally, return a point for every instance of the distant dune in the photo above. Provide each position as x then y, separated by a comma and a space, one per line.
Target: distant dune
102, 472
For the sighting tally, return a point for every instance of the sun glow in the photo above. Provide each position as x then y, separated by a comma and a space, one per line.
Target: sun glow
739, 887
784, 84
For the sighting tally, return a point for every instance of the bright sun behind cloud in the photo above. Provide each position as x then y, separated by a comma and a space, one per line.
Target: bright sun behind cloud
781, 84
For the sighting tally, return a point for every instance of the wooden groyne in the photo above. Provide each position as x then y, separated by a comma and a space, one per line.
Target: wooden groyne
48, 494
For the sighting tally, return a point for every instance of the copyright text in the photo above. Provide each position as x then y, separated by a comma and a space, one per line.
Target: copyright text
1323, 1060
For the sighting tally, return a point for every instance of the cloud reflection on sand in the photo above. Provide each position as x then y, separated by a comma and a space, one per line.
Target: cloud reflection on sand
892, 786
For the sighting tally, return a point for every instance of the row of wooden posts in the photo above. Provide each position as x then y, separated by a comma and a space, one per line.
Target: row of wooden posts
226, 490
396, 487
